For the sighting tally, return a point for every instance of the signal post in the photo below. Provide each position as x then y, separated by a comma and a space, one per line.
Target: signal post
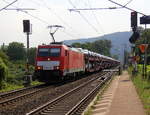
145, 20
27, 29
143, 47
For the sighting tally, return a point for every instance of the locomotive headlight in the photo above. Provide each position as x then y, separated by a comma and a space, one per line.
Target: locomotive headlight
48, 59
39, 67
56, 67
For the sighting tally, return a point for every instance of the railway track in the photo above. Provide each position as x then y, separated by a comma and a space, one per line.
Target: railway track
14, 93
19, 95
70, 102
80, 107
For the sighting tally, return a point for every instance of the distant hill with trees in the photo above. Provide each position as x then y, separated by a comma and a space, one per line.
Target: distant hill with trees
119, 42
100, 46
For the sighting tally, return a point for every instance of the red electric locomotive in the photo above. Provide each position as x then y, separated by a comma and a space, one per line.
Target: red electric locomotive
56, 61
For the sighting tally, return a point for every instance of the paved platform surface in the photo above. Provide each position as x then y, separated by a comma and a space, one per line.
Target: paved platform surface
119, 99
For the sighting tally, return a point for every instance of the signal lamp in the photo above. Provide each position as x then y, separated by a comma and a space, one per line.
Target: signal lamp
133, 19
26, 25
134, 37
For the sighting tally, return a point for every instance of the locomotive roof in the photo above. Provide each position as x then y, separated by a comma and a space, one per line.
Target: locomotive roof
51, 45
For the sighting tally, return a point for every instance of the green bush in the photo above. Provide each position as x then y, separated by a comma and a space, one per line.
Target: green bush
3, 72
4, 57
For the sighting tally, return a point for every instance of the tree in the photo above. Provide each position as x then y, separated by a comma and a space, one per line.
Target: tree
76, 45
32, 54
115, 57
3, 48
102, 47
3, 72
4, 57
16, 51
86, 45
3, 68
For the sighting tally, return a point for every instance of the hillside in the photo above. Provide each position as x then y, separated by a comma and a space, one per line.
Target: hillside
120, 40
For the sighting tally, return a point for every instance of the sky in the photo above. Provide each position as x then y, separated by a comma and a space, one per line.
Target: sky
76, 24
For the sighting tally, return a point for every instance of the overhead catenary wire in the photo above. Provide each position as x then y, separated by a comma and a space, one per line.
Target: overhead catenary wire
8, 5
97, 21
43, 21
20, 9
70, 35
17, 9
124, 6
45, 5
37, 18
85, 19
128, 2
84, 9
35, 2
52, 11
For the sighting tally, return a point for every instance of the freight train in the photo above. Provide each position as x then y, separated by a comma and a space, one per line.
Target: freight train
57, 61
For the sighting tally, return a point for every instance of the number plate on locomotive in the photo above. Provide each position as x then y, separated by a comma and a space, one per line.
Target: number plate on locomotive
47, 68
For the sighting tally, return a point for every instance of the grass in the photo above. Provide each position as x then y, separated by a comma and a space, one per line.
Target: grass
36, 83
89, 111
10, 87
143, 88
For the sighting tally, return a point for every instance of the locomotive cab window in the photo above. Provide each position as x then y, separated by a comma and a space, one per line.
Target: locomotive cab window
43, 52
53, 52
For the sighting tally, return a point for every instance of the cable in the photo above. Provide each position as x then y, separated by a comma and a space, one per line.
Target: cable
126, 7
88, 22
128, 2
70, 35
86, 9
35, 3
45, 5
97, 21
8, 5
43, 21
72, 4
84, 18
57, 16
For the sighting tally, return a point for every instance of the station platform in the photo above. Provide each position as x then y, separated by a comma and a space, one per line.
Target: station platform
120, 98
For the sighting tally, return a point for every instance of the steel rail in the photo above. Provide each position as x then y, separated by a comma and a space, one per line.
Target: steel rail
13, 92
86, 98
17, 98
45, 106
